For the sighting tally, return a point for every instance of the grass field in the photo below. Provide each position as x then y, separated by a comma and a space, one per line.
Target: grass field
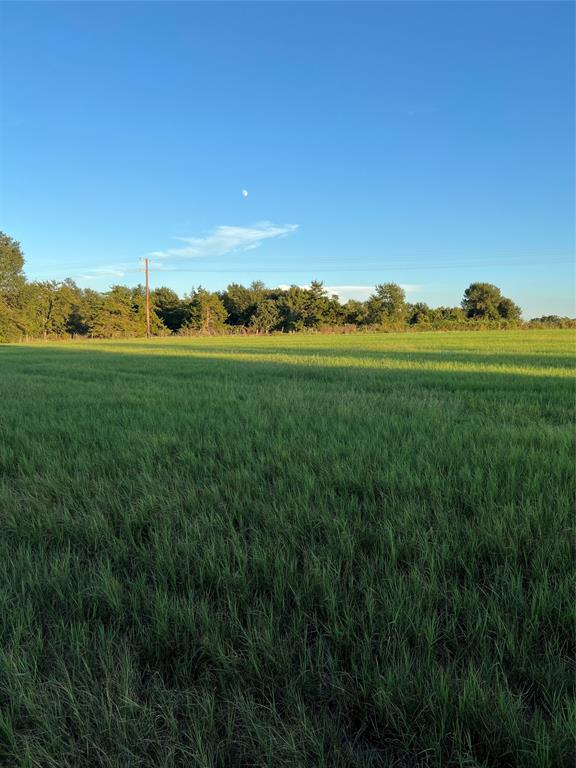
324, 551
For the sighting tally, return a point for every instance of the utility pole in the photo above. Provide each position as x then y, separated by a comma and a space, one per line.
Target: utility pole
147, 300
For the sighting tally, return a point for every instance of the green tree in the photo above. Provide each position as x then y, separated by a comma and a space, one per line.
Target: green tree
241, 302
449, 314
112, 314
508, 310
567, 322
484, 301
318, 307
86, 318
292, 307
419, 313
138, 319
266, 317
24, 307
12, 322
207, 312
355, 312
481, 301
11, 265
12, 283
302, 308
169, 307
387, 304
74, 321
48, 307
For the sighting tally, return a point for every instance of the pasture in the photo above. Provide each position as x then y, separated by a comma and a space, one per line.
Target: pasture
325, 551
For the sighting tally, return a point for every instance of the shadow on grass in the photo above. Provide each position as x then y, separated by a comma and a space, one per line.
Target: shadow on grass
564, 364
118, 599
397, 369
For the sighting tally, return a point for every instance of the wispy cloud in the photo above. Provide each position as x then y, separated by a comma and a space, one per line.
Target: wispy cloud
221, 241
225, 240
100, 272
358, 292
345, 292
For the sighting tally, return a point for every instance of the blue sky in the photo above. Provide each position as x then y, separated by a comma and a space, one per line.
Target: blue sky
429, 144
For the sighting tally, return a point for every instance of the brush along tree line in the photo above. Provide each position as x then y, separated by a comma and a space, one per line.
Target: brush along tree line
58, 309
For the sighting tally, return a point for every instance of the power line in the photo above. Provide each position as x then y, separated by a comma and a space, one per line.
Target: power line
328, 265
374, 268
410, 256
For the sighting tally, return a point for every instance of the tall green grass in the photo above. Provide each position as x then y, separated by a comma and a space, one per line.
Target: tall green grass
289, 551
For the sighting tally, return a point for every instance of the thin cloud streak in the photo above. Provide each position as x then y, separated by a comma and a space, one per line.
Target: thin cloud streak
359, 292
100, 272
225, 239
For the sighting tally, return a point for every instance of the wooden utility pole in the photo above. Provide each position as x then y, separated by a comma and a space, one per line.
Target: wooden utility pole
147, 300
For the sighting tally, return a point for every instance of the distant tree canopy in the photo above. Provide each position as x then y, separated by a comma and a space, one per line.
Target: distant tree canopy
53, 309
387, 304
266, 316
206, 312
11, 265
170, 310
240, 303
484, 301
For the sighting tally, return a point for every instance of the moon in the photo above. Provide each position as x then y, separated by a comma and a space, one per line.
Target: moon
244, 193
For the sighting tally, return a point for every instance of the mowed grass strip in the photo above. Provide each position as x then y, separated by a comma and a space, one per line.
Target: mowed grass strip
288, 551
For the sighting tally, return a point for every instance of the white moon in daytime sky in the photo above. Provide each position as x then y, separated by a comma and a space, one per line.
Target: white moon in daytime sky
244, 193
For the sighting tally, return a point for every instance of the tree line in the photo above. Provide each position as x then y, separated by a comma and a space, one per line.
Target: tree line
53, 309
